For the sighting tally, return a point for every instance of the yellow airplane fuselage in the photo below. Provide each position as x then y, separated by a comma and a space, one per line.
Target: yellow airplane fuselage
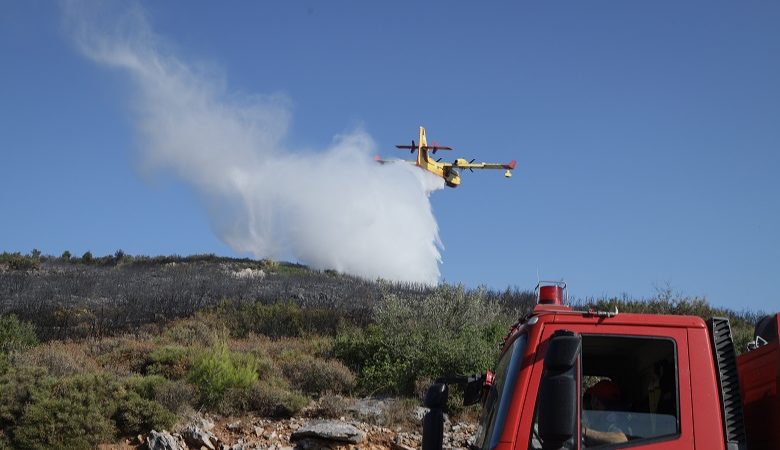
450, 176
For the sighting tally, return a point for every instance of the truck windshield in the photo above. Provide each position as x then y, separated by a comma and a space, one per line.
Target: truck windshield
494, 413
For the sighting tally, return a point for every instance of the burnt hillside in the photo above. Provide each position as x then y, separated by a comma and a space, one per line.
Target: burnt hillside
82, 297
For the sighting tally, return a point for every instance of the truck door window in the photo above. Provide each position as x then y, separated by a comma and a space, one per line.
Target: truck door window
630, 390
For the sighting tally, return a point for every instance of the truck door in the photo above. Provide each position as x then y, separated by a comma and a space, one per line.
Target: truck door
634, 389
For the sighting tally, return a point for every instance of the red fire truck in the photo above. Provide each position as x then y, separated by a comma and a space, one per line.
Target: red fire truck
568, 379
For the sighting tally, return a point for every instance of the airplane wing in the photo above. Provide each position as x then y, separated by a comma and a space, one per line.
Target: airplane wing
461, 163
391, 161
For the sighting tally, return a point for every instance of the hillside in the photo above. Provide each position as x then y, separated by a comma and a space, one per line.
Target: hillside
170, 339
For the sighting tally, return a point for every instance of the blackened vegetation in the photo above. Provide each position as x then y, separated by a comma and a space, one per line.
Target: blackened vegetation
70, 297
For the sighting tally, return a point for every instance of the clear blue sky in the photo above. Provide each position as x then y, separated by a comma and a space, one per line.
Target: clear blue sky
647, 134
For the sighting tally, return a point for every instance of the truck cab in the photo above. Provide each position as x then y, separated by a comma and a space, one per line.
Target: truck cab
568, 379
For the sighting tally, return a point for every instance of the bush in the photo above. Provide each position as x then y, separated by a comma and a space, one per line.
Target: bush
315, 375
75, 413
448, 332
17, 261
39, 411
272, 400
66, 423
123, 355
136, 414
172, 362
277, 320
329, 406
219, 369
178, 396
59, 359
86, 258
17, 389
16, 335
194, 331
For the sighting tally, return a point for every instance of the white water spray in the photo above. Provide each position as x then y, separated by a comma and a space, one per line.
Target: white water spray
331, 209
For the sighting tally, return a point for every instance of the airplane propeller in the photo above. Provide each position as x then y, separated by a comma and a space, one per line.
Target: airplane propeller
414, 147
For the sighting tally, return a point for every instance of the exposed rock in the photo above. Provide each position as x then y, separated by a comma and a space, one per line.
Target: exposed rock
197, 438
249, 273
404, 441
368, 407
161, 441
203, 422
329, 431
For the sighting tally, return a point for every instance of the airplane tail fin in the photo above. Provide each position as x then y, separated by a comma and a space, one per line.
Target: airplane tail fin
423, 144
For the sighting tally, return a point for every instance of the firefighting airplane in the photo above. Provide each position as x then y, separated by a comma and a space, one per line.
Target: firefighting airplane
446, 170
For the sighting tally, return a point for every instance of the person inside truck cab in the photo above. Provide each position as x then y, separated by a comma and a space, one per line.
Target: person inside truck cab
603, 426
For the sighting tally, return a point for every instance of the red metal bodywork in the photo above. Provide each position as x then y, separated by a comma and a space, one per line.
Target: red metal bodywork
700, 418
759, 376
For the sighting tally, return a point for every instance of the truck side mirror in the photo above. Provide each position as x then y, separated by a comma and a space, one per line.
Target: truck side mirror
433, 422
557, 399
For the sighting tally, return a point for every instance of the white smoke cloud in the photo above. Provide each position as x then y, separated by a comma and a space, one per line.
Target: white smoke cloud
331, 209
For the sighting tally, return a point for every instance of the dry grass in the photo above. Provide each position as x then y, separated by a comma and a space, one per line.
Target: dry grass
58, 358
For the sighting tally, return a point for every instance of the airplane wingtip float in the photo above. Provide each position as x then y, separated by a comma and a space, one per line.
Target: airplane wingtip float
449, 171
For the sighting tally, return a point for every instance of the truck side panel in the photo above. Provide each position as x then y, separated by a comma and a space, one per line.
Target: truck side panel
707, 416
759, 375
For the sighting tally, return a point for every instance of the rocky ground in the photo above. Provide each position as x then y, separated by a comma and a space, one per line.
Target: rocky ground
203, 431
292, 434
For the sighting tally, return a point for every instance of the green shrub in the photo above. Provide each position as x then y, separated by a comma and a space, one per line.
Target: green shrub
330, 406
79, 411
285, 319
122, 355
17, 261
63, 423
16, 335
170, 361
18, 387
87, 258
272, 400
136, 415
195, 331
219, 369
450, 331
316, 375
178, 396
74, 414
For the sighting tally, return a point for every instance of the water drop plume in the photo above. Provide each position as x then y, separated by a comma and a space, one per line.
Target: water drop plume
332, 208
